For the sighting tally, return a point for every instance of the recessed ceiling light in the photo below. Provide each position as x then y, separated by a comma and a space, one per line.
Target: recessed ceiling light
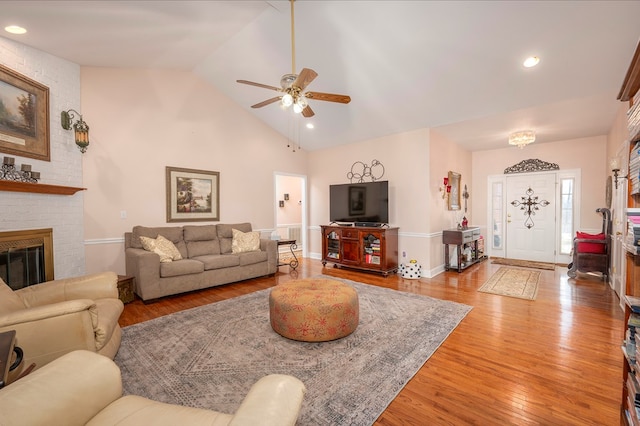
310, 126
531, 61
15, 29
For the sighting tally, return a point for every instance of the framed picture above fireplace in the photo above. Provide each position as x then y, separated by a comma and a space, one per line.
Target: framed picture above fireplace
192, 195
24, 116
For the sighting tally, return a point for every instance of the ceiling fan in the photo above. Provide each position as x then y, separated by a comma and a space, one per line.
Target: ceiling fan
293, 85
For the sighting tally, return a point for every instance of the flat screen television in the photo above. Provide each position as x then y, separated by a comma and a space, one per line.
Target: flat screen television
364, 204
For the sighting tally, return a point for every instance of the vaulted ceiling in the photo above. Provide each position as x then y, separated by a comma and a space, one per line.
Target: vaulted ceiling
455, 66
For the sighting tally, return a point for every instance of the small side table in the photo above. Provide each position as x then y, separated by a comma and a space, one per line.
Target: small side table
292, 246
125, 288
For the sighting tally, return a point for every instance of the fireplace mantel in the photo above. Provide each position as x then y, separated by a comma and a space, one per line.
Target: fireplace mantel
38, 188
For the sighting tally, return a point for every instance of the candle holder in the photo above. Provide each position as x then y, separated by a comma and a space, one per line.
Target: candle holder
8, 171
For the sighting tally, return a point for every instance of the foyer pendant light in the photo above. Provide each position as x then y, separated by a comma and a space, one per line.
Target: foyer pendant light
522, 138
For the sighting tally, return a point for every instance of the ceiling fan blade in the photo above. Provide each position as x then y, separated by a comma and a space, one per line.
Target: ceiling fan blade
265, 86
319, 96
267, 102
306, 76
308, 112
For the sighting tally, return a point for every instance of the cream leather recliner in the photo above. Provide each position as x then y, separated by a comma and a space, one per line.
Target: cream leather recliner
60, 316
84, 388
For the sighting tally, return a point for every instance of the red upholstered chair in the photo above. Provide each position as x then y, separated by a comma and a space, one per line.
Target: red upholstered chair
591, 252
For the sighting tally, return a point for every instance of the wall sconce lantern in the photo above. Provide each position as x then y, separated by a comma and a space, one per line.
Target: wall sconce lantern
615, 169
446, 188
80, 128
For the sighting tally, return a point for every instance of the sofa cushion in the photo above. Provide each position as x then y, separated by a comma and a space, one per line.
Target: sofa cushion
597, 248
202, 248
225, 234
171, 233
162, 247
181, 267
9, 301
200, 232
219, 261
252, 257
245, 241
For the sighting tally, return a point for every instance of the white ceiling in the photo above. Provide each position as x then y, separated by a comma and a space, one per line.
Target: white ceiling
455, 66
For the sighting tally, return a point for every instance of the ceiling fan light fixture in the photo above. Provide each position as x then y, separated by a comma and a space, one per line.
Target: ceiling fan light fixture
287, 100
297, 108
302, 102
522, 138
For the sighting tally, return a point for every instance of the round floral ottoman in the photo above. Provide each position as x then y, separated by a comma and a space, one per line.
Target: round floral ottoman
314, 309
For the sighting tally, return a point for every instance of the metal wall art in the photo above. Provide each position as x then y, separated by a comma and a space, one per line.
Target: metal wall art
361, 171
529, 205
531, 165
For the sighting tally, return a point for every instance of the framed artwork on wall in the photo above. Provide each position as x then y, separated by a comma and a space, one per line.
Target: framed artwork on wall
192, 195
454, 195
24, 116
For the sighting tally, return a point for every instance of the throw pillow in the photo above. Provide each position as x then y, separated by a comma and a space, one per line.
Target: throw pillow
245, 241
168, 247
591, 247
151, 245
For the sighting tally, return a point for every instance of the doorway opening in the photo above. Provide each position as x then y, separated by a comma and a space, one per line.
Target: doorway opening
291, 212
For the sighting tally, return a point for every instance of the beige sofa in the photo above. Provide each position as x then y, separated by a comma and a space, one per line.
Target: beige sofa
60, 316
207, 259
84, 388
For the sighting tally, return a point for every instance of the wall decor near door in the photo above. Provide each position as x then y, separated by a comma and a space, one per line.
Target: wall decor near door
529, 205
531, 165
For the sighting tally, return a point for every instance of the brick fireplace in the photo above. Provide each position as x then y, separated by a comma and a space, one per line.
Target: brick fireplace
26, 257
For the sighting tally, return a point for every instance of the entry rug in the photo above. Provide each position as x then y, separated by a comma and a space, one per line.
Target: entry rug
513, 282
210, 356
525, 263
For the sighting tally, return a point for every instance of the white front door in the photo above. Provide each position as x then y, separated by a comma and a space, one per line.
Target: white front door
531, 217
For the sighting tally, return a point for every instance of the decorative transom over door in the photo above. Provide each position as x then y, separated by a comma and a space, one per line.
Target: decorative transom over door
531, 217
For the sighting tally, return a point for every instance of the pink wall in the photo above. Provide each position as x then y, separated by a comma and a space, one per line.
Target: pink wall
144, 120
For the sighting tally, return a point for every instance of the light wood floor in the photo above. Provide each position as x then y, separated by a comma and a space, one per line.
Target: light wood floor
553, 361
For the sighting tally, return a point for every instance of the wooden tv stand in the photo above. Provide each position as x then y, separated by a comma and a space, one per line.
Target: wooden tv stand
366, 248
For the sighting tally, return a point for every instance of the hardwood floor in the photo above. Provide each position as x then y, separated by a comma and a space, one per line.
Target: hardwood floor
552, 361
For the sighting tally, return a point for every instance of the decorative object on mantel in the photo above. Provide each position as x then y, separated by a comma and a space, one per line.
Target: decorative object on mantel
25, 126
531, 165
529, 205
361, 171
9, 172
522, 138
80, 128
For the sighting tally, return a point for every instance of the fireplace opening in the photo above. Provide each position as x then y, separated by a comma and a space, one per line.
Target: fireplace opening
26, 257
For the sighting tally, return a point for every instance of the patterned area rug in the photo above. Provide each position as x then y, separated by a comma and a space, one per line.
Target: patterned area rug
524, 263
211, 355
513, 282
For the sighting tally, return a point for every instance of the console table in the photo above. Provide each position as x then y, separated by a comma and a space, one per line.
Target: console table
461, 238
